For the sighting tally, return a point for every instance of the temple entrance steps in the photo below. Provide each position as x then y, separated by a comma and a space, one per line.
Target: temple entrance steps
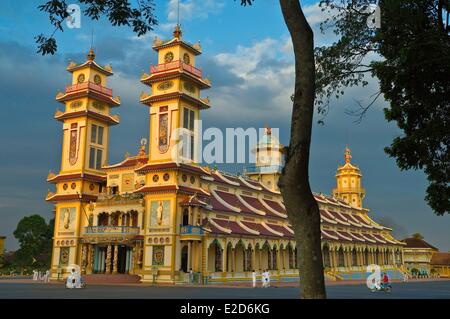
111, 279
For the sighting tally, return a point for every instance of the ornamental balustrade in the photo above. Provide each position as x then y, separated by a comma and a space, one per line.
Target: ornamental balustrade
190, 230
176, 65
111, 230
89, 85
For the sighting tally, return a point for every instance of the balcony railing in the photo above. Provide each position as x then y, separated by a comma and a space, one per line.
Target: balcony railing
111, 230
90, 86
175, 65
191, 230
264, 169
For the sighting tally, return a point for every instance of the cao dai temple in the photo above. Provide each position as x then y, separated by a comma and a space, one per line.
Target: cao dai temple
156, 218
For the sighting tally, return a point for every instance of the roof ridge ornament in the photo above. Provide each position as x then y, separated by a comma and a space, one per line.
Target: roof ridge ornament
177, 32
348, 154
91, 55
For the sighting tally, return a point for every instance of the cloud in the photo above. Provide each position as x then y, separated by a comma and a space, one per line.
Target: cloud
254, 81
190, 9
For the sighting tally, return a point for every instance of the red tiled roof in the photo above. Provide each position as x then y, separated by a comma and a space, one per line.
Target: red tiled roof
417, 243
69, 177
260, 228
171, 188
129, 162
281, 229
441, 259
172, 165
214, 229
72, 197
193, 202
256, 203
275, 206
106, 118
337, 218
233, 226
362, 221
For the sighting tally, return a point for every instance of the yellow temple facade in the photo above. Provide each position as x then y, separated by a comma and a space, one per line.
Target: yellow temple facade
159, 215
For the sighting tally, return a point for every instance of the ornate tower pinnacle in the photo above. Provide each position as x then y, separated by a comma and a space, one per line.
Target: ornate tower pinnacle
348, 155
348, 182
177, 32
91, 55
269, 160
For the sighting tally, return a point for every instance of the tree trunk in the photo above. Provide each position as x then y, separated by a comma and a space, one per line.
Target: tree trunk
301, 207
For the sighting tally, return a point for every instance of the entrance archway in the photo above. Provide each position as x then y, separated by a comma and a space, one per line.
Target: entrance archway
184, 258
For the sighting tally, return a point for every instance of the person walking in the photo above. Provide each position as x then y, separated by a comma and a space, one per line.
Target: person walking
191, 276
254, 278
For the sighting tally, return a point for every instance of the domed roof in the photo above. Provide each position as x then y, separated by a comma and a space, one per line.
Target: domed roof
269, 141
348, 165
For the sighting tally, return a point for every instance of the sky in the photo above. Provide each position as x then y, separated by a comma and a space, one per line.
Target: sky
247, 55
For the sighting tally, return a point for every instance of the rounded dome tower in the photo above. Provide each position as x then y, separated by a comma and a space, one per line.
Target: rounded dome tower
348, 182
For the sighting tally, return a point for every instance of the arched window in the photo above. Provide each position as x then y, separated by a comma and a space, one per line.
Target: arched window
341, 260
295, 258
218, 257
366, 257
248, 259
377, 259
291, 257
184, 259
326, 256
185, 220
134, 218
354, 258
102, 219
274, 258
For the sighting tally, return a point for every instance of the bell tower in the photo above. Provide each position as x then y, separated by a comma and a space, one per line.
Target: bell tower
269, 161
348, 182
175, 102
86, 120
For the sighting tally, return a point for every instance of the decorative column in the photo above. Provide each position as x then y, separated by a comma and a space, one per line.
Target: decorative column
260, 253
90, 264
233, 260
83, 258
189, 261
224, 258
108, 259
115, 261
278, 259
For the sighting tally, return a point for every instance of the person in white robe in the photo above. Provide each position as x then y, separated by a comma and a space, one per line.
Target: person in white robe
47, 276
264, 279
35, 275
254, 278
268, 278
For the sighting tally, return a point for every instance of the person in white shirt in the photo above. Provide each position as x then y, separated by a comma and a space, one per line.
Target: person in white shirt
264, 279
254, 278
268, 278
47, 276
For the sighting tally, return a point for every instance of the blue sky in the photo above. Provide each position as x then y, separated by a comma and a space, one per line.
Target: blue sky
247, 55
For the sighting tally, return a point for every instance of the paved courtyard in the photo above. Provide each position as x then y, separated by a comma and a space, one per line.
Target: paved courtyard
24, 289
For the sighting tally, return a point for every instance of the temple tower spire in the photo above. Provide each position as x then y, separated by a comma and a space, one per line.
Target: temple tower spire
175, 101
269, 161
348, 182
85, 121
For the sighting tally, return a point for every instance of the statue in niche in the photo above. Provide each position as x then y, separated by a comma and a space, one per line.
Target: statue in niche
66, 218
159, 213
